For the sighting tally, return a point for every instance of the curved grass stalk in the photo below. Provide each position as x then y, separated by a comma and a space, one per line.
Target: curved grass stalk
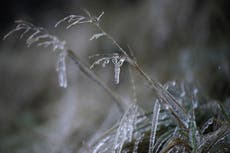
156, 111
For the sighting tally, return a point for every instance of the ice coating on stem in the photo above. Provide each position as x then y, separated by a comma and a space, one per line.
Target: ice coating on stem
137, 142
61, 69
126, 128
156, 111
176, 109
104, 145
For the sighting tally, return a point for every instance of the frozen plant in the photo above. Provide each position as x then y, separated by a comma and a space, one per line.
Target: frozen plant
154, 123
175, 102
126, 127
116, 59
40, 37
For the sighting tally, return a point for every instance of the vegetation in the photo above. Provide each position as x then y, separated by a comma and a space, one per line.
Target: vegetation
178, 121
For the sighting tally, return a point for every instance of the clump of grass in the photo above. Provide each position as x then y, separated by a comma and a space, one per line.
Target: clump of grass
171, 126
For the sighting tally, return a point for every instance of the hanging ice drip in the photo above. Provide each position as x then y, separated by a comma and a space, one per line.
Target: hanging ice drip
118, 62
116, 59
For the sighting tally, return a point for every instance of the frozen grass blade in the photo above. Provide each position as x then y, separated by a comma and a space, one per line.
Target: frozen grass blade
194, 136
104, 145
211, 139
126, 127
207, 124
224, 112
176, 145
156, 111
162, 139
173, 106
137, 142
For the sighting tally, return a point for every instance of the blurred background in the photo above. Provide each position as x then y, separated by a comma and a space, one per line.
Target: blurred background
182, 40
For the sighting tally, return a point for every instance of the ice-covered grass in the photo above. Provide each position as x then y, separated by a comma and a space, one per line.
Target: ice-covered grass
172, 124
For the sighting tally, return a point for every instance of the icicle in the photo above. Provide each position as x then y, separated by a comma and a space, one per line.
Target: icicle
117, 71
117, 61
126, 128
156, 111
61, 69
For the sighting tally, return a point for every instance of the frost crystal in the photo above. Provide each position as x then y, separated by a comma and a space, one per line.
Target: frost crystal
126, 128
156, 111
61, 69
38, 36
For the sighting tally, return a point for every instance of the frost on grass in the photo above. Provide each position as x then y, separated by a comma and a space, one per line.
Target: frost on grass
176, 110
41, 38
209, 140
105, 144
126, 127
114, 140
80, 19
137, 142
178, 96
116, 59
97, 35
156, 111
36, 35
